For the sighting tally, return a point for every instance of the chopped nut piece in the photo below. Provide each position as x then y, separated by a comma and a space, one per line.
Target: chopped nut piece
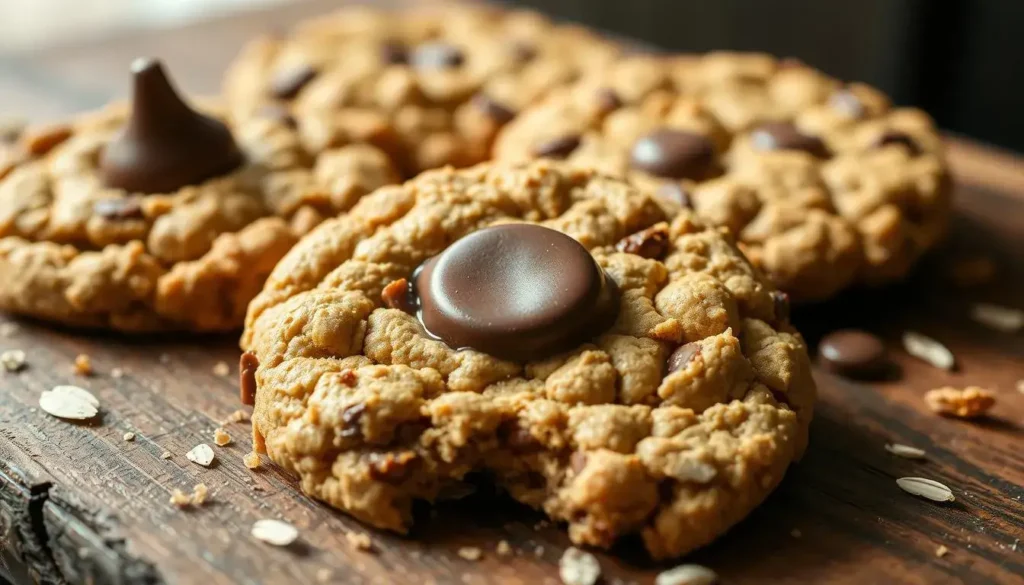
905, 451
969, 402
975, 271
941, 551
83, 365
275, 532
201, 454
221, 437
13, 360
129, 436
926, 488
687, 575
221, 369
929, 350
359, 540
252, 460
997, 317
70, 402
470, 553
503, 548
577, 567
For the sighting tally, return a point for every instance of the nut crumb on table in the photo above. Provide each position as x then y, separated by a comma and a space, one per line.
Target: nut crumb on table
578, 567
941, 551
968, 402
13, 360
359, 540
251, 460
83, 365
129, 436
221, 437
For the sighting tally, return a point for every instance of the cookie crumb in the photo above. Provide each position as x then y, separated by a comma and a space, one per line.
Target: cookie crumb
83, 365
180, 499
116, 373
968, 402
577, 567
925, 348
129, 436
199, 494
275, 532
324, 575
221, 369
359, 540
221, 437
252, 460
471, 553
941, 551
687, 575
1006, 319
967, 272
201, 454
13, 360
9, 329
795, 533
235, 417
69, 402
905, 451
503, 549
166, 455
926, 488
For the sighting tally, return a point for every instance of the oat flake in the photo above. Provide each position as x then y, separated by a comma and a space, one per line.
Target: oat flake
70, 402
926, 488
927, 349
687, 575
997, 317
905, 451
275, 532
577, 567
201, 454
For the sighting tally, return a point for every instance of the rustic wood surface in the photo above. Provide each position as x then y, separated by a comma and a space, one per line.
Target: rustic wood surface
79, 504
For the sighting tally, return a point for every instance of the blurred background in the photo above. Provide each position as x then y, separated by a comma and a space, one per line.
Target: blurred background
962, 60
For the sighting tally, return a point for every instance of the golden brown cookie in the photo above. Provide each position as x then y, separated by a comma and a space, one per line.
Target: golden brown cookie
825, 185
156, 216
429, 86
624, 371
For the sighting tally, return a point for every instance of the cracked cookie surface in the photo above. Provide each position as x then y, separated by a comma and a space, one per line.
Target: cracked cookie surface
430, 86
673, 424
825, 185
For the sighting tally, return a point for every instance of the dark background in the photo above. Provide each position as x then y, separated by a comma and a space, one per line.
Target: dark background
961, 60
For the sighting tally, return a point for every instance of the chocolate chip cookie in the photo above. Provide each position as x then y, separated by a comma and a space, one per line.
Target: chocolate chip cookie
623, 370
155, 216
825, 185
430, 86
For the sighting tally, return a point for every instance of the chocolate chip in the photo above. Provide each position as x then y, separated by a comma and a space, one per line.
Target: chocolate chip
608, 101
786, 136
649, 243
897, 137
278, 113
119, 209
523, 51
437, 56
676, 193
559, 148
165, 144
398, 295
247, 365
287, 83
494, 110
781, 303
390, 467
847, 103
518, 292
683, 355
852, 353
351, 419
394, 52
674, 154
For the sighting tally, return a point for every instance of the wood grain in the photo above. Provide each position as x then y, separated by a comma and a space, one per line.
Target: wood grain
79, 504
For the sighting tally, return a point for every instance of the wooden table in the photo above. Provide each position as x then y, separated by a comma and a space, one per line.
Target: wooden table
80, 504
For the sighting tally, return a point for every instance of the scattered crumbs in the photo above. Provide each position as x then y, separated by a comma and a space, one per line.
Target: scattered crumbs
1006, 319
539, 551
275, 532
9, 329
83, 365
221, 369
235, 417
687, 575
199, 494
941, 551
324, 575
926, 488
116, 373
13, 360
359, 540
795, 533
129, 436
968, 402
201, 454
503, 549
972, 271
165, 358
180, 499
165, 455
578, 567
905, 451
69, 402
221, 437
471, 553
252, 460
925, 348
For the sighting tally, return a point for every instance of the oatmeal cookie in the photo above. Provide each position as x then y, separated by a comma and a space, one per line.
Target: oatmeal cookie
153, 216
430, 86
623, 370
825, 185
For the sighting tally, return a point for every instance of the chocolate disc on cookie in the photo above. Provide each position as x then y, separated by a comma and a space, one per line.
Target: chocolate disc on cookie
786, 136
515, 291
674, 154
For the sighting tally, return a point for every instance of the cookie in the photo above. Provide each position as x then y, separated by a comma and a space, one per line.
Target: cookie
825, 185
154, 216
430, 86
543, 326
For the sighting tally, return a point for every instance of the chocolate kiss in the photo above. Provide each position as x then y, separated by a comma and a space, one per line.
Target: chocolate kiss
165, 144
